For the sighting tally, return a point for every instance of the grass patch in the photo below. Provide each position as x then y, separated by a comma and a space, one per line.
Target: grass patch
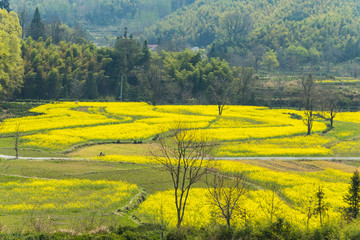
113, 149
7, 146
59, 169
344, 130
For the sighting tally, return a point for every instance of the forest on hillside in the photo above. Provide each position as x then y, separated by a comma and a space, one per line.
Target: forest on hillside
296, 36
52, 56
103, 19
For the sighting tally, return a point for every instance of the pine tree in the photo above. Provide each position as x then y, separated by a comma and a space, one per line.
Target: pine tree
352, 198
4, 4
37, 27
146, 55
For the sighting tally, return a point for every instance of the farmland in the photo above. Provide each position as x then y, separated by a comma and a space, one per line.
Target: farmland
80, 186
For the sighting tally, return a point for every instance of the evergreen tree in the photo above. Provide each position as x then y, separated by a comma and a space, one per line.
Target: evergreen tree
4, 4
352, 198
146, 54
37, 27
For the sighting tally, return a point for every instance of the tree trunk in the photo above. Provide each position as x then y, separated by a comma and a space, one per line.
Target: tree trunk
220, 109
228, 222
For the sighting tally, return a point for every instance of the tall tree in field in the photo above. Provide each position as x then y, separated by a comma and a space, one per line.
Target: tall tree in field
185, 156
221, 87
4, 4
320, 205
352, 198
37, 27
226, 193
308, 85
11, 64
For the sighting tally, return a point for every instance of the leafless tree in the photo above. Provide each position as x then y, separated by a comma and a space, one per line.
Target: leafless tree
258, 52
321, 206
308, 120
308, 85
329, 105
271, 207
243, 78
24, 17
220, 92
17, 138
185, 155
226, 193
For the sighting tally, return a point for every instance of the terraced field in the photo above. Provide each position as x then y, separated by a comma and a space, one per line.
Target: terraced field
106, 185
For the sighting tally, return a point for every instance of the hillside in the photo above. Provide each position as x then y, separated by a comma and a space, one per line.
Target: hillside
300, 32
100, 17
313, 34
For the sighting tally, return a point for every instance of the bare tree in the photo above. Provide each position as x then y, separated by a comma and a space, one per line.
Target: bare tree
24, 17
271, 207
185, 155
258, 52
220, 91
17, 138
225, 193
308, 85
243, 78
320, 205
329, 106
308, 120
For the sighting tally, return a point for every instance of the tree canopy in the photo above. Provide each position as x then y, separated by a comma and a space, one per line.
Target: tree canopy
11, 63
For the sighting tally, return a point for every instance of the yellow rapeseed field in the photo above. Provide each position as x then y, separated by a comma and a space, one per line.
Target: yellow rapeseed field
295, 191
242, 130
63, 195
64, 124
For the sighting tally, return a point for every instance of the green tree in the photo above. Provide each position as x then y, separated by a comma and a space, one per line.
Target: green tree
11, 63
236, 25
221, 89
54, 88
90, 88
352, 198
270, 61
37, 27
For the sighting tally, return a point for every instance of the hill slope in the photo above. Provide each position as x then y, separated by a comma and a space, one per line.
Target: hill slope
307, 30
101, 17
